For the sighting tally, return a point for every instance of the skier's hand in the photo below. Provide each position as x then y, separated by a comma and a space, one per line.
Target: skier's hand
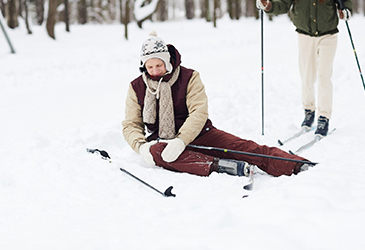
144, 151
345, 14
263, 4
173, 149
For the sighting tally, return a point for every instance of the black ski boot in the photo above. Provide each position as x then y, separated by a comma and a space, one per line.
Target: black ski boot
308, 119
322, 126
233, 167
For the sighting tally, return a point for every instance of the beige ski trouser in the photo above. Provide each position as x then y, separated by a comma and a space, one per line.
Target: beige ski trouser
316, 55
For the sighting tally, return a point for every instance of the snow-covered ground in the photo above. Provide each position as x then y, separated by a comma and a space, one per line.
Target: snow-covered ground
58, 98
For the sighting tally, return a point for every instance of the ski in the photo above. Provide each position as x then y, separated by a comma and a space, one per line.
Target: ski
309, 144
303, 131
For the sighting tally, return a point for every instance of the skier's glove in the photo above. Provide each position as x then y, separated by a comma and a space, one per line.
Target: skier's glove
263, 4
173, 149
345, 14
144, 151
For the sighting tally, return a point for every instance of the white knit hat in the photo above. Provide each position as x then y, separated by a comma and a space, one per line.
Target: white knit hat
155, 47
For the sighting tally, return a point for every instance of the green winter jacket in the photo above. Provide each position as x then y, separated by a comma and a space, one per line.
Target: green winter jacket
311, 17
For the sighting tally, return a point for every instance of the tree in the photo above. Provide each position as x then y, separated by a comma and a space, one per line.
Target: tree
82, 11
67, 20
215, 12
12, 14
40, 11
190, 9
162, 11
2, 7
51, 19
26, 17
205, 10
251, 9
127, 18
144, 9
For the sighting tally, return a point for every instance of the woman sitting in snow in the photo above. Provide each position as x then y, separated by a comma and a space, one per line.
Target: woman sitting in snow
170, 101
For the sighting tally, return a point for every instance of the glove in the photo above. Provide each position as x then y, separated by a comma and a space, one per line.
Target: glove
173, 149
262, 4
144, 151
345, 14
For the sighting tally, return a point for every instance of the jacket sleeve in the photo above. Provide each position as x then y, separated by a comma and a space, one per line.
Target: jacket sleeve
348, 4
133, 126
197, 103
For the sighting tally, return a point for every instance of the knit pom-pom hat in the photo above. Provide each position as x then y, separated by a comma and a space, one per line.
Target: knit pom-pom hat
155, 47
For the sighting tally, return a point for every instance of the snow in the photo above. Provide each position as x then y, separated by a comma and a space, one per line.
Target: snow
58, 98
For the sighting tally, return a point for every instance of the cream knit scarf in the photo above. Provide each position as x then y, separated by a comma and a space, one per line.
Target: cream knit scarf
161, 91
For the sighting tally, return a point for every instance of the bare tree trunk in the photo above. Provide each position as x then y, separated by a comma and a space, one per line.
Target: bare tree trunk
162, 10
27, 16
355, 6
215, 13
207, 14
82, 11
12, 14
189, 9
230, 8
20, 8
111, 10
126, 18
40, 11
2, 7
238, 10
121, 11
51, 19
251, 10
67, 20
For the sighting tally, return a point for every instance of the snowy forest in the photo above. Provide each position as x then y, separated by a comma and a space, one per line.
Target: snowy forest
125, 11
63, 95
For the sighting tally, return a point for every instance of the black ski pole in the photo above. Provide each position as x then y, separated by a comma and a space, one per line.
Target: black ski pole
262, 73
341, 6
105, 156
7, 38
167, 192
251, 154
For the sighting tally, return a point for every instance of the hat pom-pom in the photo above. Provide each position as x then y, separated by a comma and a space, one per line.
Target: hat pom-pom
153, 33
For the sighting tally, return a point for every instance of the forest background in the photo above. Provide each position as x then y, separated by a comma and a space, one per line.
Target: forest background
125, 12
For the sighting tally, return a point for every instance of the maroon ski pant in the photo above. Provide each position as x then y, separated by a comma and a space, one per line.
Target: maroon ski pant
199, 161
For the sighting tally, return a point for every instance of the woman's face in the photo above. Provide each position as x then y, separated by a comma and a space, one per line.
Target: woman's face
155, 67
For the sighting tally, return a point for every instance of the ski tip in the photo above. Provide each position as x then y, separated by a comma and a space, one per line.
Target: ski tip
280, 143
291, 152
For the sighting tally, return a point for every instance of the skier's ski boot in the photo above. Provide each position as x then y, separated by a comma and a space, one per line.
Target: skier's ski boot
233, 167
322, 126
308, 119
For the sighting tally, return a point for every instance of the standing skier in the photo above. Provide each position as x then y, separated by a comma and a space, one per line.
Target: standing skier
170, 101
316, 22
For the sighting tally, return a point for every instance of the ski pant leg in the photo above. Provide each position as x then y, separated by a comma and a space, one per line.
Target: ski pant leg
188, 162
200, 161
307, 57
327, 51
220, 139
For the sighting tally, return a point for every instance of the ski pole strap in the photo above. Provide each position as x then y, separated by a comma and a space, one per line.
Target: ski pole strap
251, 154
